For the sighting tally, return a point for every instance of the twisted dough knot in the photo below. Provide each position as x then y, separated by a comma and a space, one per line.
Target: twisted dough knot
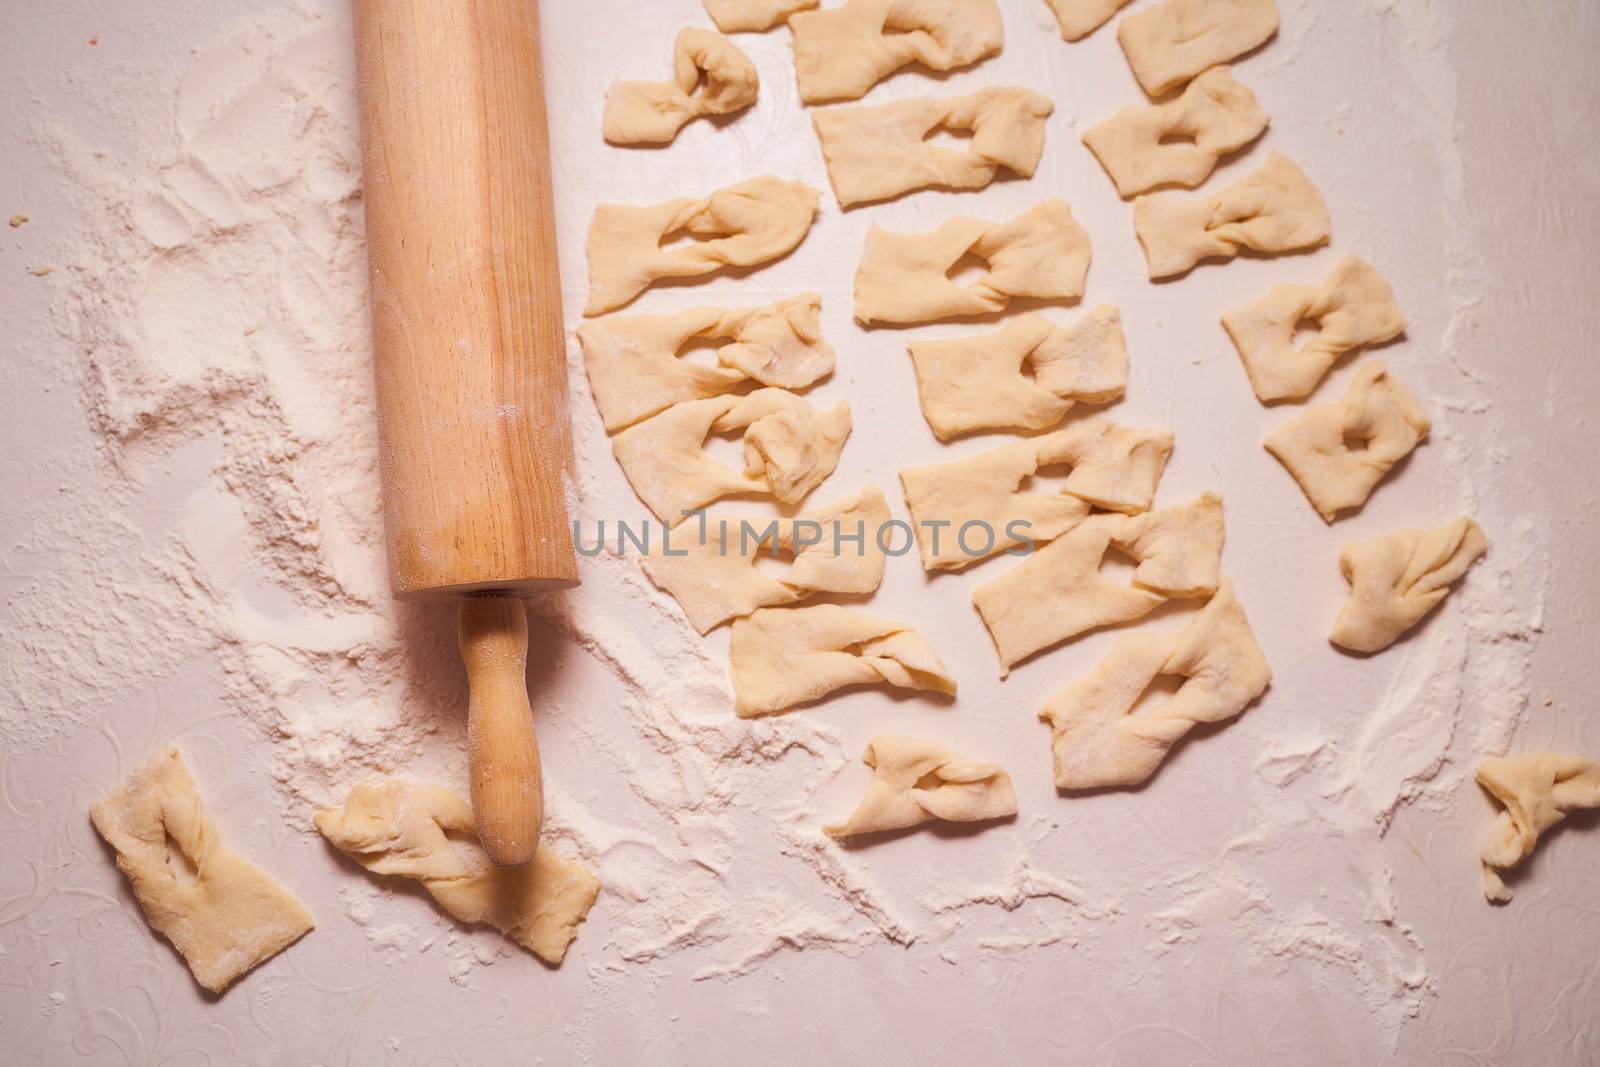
710, 77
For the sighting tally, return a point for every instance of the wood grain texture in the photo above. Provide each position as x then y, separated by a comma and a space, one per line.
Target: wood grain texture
507, 784
466, 297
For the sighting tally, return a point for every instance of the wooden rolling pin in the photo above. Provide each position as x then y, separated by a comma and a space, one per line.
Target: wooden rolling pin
470, 355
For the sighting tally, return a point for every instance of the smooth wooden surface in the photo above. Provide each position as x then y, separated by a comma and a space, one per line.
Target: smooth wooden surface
507, 785
470, 356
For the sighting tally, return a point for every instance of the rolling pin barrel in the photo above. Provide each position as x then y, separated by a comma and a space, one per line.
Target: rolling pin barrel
469, 351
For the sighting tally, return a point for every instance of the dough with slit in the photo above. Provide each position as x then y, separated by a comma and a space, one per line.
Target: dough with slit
1180, 141
970, 384
914, 781
635, 369
1397, 579
743, 225
789, 448
1079, 18
783, 657
1534, 792
401, 829
1352, 307
1175, 40
904, 278
753, 16
710, 77
841, 52
230, 916
1099, 741
1112, 466
1274, 210
708, 565
1059, 593
879, 153
1339, 452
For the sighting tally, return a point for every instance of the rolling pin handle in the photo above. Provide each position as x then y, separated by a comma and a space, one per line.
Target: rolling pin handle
502, 752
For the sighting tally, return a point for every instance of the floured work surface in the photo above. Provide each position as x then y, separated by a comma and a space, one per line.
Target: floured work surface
196, 552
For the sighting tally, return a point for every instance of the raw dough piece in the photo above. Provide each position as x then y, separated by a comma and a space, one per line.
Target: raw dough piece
635, 372
401, 829
1276, 209
1136, 146
1378, 416
231, 915
1353, 307
1114, 467
715, 579
1059, 592
743, 225
879, 153
710, 77
753, 16
1080, 18
1397, 579
842, 52
1098, 743
1536, 792
781, 657
904, 277
1170, 43
915, 780
789, 448
977, 383
1178, 548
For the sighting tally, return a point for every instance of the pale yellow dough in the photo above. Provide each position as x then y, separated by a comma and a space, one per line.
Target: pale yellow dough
904, 277
1274, 210
753, 16
1535, 792
635, 372
1059, 593
1339, 452
1180, 141
1170, 43
743, 225
789, 448
231, 915
1114, 467
1395, 580
709, 566
841, 52
710, 77
1080, 18
1352, 307
977, 383
401, 829
1098, 742
914, 781
782, 657
879, 153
